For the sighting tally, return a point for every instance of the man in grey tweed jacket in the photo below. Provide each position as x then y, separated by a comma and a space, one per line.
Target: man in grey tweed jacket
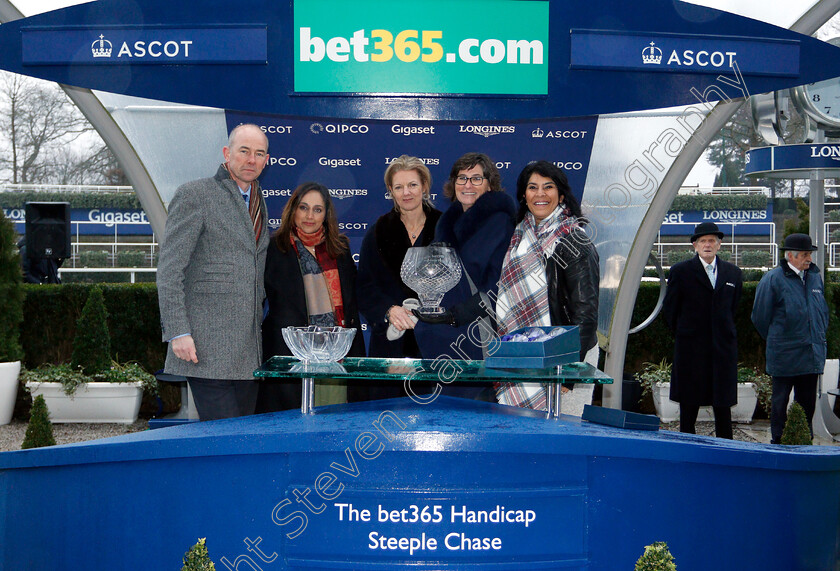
210, 279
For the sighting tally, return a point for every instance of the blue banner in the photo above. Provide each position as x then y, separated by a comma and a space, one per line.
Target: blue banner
788, 160
94, 221
609, 49
742, 222
107, 45
448, 72
350, 158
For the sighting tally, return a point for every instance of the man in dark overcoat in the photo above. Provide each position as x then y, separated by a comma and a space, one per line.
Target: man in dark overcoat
699, 308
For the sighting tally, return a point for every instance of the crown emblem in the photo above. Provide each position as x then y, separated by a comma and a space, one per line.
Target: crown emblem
652, 54
101, 47
537, 133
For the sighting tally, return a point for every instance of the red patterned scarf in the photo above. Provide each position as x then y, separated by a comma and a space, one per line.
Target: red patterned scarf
320, 279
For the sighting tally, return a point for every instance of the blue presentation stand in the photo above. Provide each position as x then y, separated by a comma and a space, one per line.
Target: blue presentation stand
452, 485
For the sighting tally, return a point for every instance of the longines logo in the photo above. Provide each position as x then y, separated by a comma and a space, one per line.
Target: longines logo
652, 55
339, 129
558, 134
425, 161
342, 193
487, 130
828, 151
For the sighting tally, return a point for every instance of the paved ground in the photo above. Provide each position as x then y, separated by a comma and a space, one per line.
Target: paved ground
11, 435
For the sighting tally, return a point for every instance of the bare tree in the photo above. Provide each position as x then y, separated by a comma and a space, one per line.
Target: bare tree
42, 134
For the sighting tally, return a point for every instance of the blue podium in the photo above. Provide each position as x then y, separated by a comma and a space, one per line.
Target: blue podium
454, 484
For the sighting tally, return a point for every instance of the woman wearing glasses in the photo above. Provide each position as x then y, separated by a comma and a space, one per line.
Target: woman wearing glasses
478, 225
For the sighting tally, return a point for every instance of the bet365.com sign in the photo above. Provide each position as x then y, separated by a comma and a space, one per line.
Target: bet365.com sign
380, 46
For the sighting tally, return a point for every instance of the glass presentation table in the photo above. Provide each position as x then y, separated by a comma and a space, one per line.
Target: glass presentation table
440, 370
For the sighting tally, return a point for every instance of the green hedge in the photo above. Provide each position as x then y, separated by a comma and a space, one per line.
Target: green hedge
127, 200
50, 314
719, 202
94, 259
756, 259
131, 259
656, 341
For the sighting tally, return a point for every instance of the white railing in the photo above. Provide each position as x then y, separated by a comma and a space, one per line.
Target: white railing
131, 271
64, 188
731, 244
112, 246
724, 190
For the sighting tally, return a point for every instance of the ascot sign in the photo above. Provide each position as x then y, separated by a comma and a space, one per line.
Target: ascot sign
412, 60
127, 44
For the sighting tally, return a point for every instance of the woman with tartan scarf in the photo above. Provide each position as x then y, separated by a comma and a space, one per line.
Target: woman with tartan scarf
551, 271
310, 279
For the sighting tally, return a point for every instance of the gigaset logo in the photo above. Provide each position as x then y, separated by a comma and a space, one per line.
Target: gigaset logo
408, 131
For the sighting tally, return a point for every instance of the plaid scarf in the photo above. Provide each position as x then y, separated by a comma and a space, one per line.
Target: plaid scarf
523, 291
321, 283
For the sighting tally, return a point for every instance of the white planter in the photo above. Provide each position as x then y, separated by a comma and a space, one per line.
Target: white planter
92, 402
8, 390
669, 411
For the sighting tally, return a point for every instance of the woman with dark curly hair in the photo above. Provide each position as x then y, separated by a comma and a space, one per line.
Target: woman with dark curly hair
310, 279
549, 248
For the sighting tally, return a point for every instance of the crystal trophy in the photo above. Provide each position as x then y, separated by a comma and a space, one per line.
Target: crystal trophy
431, 271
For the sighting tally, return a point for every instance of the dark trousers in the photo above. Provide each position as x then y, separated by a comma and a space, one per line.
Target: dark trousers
804, 392
218, 398
723, 420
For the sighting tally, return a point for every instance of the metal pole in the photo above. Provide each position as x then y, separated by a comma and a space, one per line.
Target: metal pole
625, 300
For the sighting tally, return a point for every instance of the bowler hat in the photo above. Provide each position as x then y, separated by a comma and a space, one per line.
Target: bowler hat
705, 228
799, 243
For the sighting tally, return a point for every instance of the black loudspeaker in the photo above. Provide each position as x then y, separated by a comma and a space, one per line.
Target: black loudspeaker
48, 230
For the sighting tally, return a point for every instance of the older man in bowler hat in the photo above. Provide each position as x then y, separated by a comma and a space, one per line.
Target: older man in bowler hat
791, 314
699, 307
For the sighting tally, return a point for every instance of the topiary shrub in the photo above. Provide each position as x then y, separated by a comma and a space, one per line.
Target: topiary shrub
796, 432
656, 557
39, 432
11, 293
92, 345
197, 558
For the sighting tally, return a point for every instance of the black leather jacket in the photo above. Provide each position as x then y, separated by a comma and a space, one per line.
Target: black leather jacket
573, 275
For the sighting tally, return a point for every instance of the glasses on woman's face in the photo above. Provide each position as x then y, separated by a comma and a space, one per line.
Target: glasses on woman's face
475, 179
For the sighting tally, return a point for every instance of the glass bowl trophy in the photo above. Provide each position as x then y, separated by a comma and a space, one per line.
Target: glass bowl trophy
431, 271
